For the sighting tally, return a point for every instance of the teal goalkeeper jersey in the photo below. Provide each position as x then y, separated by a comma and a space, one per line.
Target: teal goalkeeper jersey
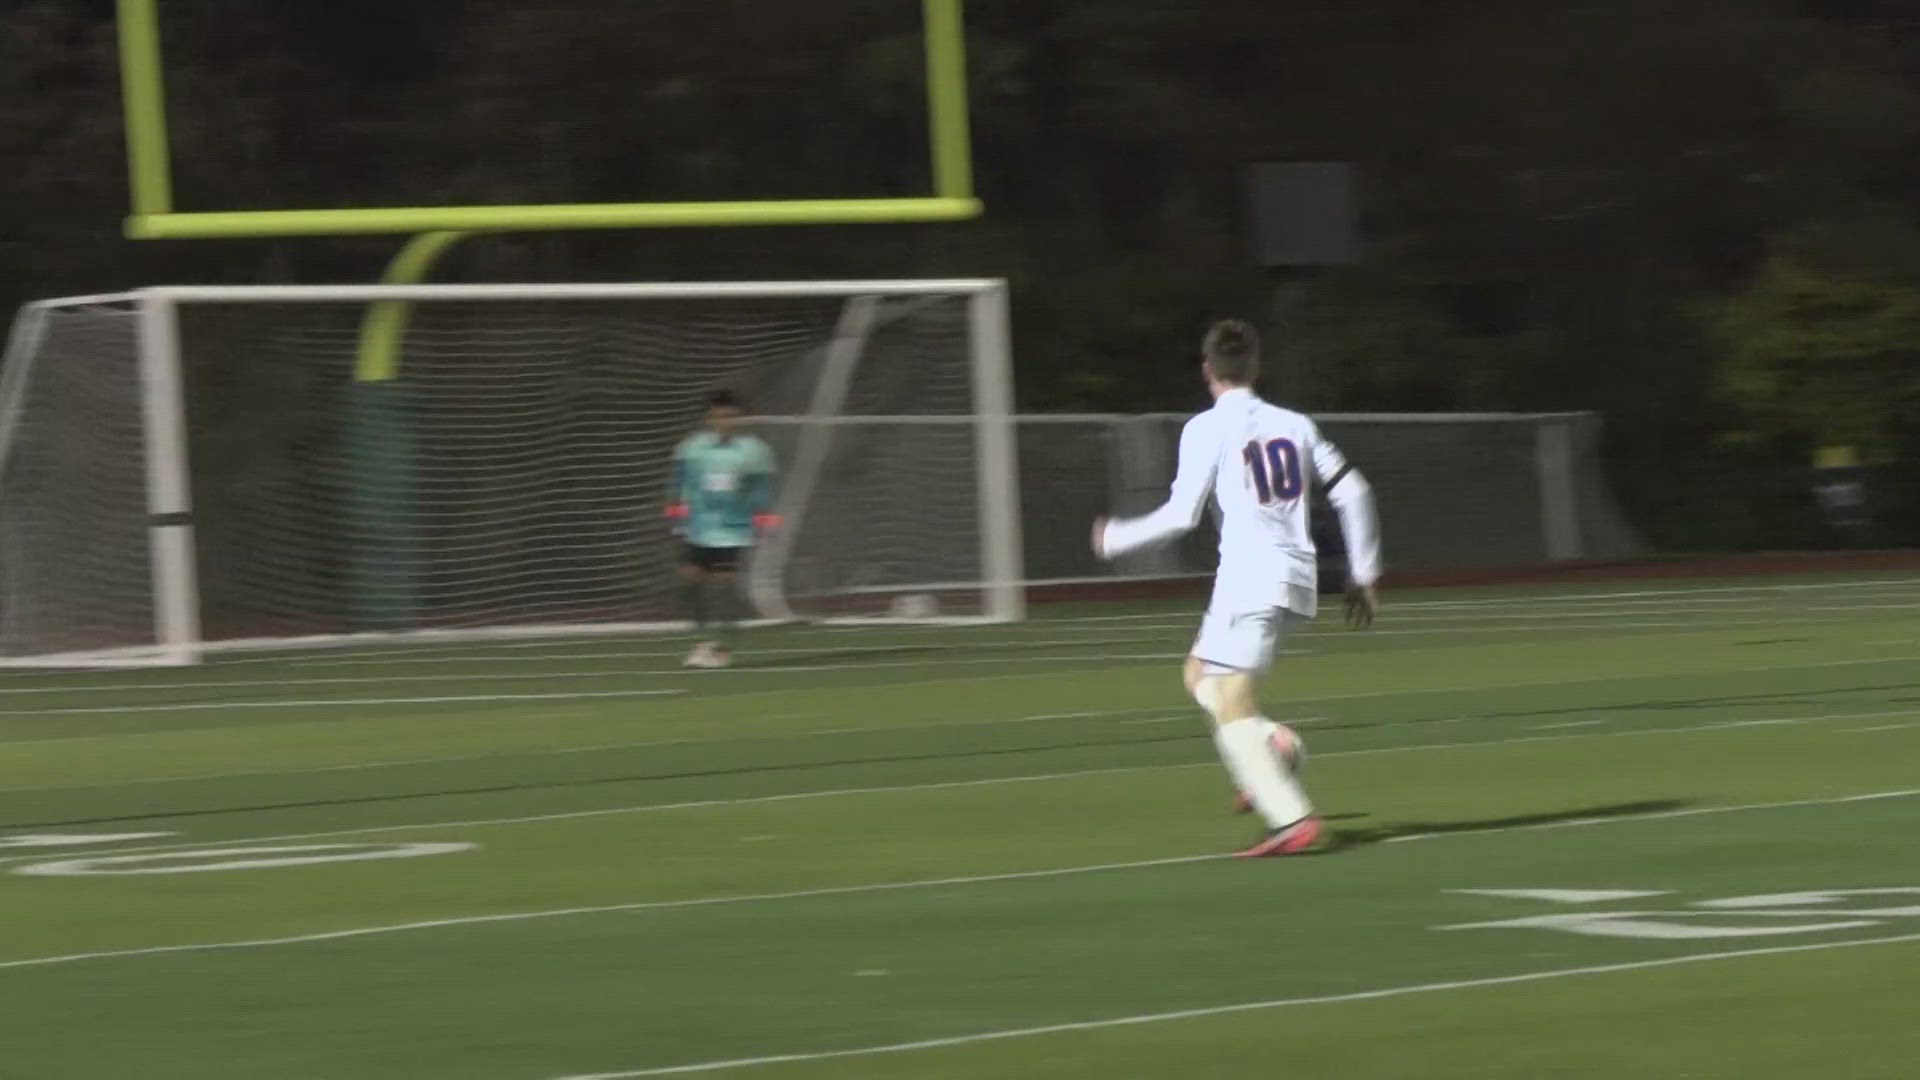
723, 484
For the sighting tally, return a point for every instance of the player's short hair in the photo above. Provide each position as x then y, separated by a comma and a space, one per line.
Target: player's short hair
725, 399
1232, 350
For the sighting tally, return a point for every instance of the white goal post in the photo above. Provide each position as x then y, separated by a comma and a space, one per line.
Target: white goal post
188, 468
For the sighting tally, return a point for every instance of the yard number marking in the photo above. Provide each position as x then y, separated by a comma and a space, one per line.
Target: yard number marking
1763, 915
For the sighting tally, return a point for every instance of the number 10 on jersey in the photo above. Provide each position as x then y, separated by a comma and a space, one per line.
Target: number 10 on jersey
1275, 470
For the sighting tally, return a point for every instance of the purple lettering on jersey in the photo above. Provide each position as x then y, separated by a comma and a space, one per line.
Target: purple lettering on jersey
1274, 470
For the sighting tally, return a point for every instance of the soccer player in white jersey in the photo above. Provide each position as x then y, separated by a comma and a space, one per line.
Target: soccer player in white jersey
1254, 460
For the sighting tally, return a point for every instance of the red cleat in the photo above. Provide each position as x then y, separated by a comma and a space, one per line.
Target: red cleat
1291, 840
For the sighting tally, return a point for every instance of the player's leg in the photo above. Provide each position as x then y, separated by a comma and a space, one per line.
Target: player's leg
1205, 688
693, 601
1232, 652
725, 602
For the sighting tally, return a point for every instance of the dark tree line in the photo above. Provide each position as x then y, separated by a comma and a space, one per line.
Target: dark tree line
1697, 216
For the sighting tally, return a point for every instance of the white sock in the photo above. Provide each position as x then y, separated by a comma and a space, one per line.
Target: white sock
1246, 746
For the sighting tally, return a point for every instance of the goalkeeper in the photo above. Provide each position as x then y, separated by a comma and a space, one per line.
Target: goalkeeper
722, 496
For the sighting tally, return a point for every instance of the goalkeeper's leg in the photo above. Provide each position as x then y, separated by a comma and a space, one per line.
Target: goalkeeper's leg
693, 601
725, 604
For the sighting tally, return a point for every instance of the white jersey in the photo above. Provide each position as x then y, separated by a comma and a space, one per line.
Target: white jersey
1257, 460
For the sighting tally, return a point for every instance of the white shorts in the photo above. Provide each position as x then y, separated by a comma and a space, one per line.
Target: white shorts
1243, 641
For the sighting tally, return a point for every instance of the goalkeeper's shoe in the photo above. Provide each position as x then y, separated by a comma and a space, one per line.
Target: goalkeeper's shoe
1291, 840
708, 654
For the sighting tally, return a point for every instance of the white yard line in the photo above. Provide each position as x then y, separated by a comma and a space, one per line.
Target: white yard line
1691, 626
1910, 581
22, 743
1534, 603
1248, 1006
699, 804
1860, 607
1325, 635
470, 657
660, 673
1882, 727
1470, 623
836, 890
1538, 599
193, 706
601, 909
254, 684
1659, 815
535, 676
533, 752
647, 808
1607, 678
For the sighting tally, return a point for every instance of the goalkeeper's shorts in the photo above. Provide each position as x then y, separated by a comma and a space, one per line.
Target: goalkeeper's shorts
719, 560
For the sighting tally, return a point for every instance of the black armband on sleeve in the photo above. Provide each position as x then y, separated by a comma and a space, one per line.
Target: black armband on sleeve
1337, 477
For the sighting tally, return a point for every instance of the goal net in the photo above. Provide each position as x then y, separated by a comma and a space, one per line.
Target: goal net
195, 467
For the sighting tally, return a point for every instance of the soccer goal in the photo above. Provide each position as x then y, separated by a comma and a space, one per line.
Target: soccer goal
192, 468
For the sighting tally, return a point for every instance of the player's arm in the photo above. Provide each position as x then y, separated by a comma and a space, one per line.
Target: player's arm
1352, 499
1192, 485
680, 492
759, 489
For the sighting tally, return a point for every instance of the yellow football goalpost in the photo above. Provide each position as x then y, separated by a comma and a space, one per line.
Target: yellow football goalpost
153, 216
383, 501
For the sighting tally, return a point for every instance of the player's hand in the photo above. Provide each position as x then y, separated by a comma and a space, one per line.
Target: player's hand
766, 523
1362, 601
1100, 537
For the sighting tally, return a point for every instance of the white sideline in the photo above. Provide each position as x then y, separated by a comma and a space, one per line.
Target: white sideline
837, 890
1246, 1006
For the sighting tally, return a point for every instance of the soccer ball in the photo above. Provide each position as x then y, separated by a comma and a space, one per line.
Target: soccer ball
915, 606
1289, 748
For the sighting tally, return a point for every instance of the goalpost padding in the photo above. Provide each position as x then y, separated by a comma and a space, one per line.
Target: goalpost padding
511, 478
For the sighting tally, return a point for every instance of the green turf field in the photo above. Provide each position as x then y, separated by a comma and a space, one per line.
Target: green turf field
1661, 829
